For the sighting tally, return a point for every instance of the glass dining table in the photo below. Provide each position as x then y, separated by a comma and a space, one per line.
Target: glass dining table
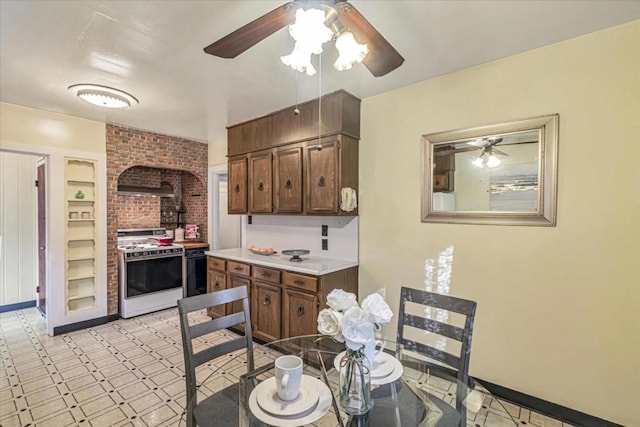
412, 391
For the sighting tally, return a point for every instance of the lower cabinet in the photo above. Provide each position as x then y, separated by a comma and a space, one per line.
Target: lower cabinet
283, 303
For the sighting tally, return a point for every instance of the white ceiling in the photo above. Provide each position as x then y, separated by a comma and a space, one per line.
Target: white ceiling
153, 50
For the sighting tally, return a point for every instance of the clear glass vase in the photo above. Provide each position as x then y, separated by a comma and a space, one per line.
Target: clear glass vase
355, 382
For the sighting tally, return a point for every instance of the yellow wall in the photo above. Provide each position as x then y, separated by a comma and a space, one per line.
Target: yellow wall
559, 307
38, 127
217, 153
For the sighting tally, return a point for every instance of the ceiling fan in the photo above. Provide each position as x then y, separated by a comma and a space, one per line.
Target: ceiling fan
340, 16
487, 145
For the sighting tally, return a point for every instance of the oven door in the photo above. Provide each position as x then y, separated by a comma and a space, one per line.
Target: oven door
145, 276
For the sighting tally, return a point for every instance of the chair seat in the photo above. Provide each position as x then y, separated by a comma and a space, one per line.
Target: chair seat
220, 409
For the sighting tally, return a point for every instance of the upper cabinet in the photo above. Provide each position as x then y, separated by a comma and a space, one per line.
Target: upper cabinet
287, 163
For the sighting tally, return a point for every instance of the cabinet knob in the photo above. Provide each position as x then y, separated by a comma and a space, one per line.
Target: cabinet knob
288, 185
300, 310
321, 181
216, 285
261, 187
237, 189
267, 300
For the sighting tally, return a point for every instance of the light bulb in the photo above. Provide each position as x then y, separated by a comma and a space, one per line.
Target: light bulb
299, 59
350, 51
493, 161
309, 30
477, 162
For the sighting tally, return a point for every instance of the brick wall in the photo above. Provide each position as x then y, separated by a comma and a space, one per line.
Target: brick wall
128, 148
195, 197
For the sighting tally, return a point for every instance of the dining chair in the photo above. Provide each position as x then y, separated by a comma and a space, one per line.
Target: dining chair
221, 408
453, 365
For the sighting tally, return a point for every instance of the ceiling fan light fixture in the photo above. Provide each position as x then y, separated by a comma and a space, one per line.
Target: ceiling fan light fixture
300, 60
350, 51
309, 30
103, 96
477, 162
493, 161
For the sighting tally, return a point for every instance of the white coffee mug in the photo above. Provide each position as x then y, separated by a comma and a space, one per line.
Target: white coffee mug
288, 376
371, 350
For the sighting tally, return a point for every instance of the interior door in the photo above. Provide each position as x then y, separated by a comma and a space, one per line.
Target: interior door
42, 239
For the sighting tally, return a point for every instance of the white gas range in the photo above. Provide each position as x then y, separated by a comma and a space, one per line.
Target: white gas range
150, 277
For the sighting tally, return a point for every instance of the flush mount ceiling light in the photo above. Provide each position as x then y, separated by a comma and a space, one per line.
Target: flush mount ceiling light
103, 96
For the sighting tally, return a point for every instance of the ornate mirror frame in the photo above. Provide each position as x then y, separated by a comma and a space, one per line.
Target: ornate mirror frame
545, 215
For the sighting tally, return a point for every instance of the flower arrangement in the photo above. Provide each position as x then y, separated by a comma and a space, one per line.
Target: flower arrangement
346, 321
355, 325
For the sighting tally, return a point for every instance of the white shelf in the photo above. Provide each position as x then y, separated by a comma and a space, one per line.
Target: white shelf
80, 284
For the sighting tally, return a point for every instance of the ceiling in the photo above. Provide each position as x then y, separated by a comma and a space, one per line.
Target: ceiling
153, 50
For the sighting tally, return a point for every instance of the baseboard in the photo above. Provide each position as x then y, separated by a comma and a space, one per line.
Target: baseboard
72, 327
17, 306
551, 409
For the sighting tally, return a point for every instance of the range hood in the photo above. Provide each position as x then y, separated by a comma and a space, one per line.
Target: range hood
134, 190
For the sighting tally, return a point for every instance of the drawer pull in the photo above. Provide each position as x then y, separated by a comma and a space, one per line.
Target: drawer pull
264, 274
267, 300
288, 185
261, 187
321, 182
237, 268
300, 310
216, 286
299, 282
237, 189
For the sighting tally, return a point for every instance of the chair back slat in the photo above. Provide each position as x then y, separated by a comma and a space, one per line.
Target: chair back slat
462, 335
216, 324
434, 326
441, 356
216, 351
212, 299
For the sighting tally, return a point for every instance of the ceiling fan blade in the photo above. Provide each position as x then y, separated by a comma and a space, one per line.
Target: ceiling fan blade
382, 57
245, 37
495, 150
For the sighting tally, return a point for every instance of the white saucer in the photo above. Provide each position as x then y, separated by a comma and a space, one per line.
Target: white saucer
386, 370
307, 417
267, 397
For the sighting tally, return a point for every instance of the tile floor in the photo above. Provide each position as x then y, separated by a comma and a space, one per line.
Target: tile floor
125, 373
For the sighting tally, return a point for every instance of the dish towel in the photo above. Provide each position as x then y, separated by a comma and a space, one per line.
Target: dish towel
348, 199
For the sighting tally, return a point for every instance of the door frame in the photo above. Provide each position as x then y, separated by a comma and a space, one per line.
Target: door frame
215, 172
42, 239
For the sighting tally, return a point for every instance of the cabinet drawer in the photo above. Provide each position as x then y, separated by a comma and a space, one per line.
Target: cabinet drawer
299, 281
266, 274
238, 268
216, 263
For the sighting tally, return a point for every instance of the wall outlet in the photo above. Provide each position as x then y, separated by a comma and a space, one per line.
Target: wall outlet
325, 230
325, 244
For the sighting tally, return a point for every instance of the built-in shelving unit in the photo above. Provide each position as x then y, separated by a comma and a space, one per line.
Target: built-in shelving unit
80, 277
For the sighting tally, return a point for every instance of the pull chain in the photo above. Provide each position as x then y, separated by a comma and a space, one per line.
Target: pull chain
296, 111
319, 147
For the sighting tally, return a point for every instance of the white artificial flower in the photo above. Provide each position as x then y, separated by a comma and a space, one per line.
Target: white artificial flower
377, 308
357, 328
340, 300
329, 323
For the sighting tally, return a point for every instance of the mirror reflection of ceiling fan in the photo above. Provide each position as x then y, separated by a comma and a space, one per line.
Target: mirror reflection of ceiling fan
339, 20
487, 146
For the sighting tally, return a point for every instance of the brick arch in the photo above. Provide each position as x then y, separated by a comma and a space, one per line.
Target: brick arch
127, 148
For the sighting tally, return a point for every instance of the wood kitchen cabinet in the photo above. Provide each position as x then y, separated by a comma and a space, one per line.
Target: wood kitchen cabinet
444, 167
216, 281
283, 303
237, 185
288, 180
260, 182
308, 164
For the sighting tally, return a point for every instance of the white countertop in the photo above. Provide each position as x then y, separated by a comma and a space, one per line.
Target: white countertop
314, 265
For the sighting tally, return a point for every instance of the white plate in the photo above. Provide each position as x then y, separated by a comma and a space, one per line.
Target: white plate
387, 368
313, 414
267, 396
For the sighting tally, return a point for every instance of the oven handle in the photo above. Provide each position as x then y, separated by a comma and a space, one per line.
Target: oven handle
144, 258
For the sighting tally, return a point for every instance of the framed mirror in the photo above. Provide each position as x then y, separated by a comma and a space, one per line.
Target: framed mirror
501, 174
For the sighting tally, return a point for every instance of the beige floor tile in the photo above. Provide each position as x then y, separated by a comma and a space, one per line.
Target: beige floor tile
40, 412
109, 418
101, 403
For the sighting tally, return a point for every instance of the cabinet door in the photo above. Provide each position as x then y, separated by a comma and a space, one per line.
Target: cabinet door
236, 307
288, 176
237, 188
300, 313
260, 182
216, 282
322, 177
266, 311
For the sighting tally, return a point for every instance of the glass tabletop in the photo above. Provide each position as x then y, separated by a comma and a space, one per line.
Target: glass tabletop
416, 392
